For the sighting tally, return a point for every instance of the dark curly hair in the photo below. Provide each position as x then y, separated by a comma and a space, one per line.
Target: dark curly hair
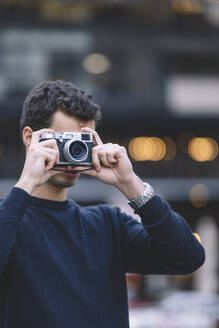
49, 96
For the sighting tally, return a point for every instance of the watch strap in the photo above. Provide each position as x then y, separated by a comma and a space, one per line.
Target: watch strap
146, 195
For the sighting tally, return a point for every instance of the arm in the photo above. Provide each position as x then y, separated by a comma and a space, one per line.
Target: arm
12, 209
162, 244
39, 160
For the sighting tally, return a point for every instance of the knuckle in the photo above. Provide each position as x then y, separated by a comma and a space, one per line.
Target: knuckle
109, 153
97, 149
123, 148
101, 152
94, 149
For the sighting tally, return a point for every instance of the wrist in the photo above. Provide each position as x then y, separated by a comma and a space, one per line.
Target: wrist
147, 194
26, 184
132, 188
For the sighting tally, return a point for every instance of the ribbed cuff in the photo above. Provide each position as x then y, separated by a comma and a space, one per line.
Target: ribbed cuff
153, 212
17, 202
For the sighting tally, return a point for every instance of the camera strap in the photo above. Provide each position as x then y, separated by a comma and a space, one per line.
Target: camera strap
73, 171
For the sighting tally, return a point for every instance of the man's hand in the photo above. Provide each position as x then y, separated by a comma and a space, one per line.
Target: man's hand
112, 166
40, 158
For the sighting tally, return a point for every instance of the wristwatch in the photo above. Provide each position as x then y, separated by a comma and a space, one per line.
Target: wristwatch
147, 194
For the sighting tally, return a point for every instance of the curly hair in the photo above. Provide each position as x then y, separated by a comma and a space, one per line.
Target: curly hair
49, 96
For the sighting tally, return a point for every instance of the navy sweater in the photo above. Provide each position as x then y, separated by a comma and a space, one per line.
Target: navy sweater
63, 265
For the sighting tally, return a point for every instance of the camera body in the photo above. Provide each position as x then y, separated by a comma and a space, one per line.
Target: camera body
75, 148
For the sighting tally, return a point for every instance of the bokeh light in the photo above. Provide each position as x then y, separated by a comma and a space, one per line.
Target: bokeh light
187, 7
203, 149
147, 149
96, 63
199, 195
171, 148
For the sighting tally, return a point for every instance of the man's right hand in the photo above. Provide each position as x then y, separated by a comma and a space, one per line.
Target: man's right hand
40, 158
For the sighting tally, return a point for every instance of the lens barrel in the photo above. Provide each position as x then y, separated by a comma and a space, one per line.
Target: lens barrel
75, 151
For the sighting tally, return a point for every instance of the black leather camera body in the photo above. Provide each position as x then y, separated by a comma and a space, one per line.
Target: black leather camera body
75, 148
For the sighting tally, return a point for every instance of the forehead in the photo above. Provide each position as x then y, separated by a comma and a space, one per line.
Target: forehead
62, 122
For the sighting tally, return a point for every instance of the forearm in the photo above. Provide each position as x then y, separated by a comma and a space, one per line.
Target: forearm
171, 237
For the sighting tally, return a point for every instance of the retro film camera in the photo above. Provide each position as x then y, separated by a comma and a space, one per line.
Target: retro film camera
75, 148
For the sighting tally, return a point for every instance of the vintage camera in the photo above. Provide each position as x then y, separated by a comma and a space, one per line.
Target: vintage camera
75, 148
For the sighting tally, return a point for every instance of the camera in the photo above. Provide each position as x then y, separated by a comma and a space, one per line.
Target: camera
75, 148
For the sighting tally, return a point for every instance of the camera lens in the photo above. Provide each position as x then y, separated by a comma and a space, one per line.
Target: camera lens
75, 151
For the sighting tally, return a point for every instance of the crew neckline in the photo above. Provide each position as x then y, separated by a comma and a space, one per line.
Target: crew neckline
51, 203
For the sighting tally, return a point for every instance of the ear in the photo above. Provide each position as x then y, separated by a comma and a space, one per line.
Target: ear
27, 135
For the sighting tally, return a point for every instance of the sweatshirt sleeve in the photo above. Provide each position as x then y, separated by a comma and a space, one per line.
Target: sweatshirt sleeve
12, 209
162, 243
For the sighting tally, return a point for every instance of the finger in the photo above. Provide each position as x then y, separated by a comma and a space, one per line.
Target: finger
97, 140
36, 135
110, 151
51, 143
47, 154
116, 151
95, 158
103, 157
110, 154
50, 162
50, 151
48, 158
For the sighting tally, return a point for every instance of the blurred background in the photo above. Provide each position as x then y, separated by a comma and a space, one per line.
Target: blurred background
153, 66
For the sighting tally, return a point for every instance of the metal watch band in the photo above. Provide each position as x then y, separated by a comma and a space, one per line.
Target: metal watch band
147, 194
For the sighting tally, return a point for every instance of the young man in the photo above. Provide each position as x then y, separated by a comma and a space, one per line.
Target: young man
64, 265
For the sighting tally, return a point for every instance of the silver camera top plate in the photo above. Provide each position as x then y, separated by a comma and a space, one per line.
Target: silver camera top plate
61, 136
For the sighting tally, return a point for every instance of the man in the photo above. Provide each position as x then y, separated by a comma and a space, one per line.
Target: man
64, 265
